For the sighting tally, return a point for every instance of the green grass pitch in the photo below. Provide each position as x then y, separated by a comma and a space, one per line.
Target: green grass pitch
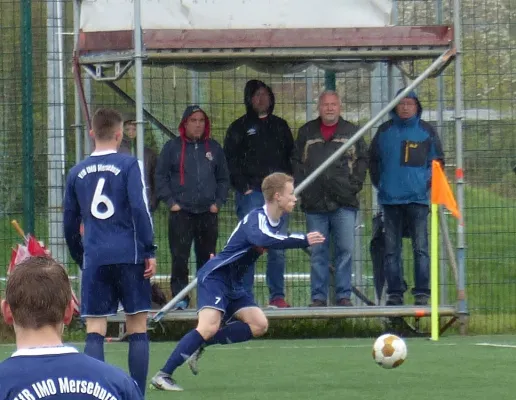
452, 368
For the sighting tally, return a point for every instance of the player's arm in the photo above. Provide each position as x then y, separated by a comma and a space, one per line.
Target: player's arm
72, 222
140, 208
258, 234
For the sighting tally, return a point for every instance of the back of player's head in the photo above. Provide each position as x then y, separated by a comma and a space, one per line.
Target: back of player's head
38, 293
275, 183
105, 123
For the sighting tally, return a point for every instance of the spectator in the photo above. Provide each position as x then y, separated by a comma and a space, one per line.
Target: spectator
331, 200
193, 180
256, 145
150, 158
401, 155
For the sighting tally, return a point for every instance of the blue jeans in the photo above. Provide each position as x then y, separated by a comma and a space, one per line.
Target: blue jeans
415, 218
340, 224
275, 258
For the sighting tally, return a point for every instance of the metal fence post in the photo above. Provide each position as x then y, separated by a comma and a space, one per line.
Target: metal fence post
27, 117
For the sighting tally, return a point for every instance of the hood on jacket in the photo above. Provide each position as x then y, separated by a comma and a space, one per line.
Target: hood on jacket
411, 95
189, 111
250, 89
182, 133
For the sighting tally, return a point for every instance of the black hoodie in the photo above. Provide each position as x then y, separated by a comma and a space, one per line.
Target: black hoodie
256, 147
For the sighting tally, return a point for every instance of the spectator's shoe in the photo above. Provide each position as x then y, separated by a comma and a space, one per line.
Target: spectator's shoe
278, 303
194, 359
182, 305
421, 300
318, 303
162, 381
394, 301
344, 303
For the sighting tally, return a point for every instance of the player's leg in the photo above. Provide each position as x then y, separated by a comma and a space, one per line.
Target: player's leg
246, 320
135, 294
98, 300
211, 301
180, 237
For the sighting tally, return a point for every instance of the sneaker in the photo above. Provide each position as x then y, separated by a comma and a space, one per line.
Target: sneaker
394, 301
344, 303
194, 359
421, 300
318, 303
278, 303
162, 381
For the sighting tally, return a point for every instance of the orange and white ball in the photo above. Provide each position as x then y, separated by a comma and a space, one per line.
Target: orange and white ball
389, 351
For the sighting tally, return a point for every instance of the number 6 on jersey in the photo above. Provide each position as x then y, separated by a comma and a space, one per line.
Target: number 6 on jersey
98, 199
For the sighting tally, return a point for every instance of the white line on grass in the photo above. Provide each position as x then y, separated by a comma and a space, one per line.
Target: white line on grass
506, 346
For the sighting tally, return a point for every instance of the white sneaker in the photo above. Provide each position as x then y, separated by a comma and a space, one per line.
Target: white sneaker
162, 381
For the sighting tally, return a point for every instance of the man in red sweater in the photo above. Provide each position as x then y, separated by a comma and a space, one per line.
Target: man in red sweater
331, 200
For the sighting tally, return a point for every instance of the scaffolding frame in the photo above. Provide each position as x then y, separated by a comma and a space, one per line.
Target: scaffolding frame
107, 56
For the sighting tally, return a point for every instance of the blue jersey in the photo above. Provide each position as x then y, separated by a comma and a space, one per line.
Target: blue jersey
254, 233
62, 373
106, 192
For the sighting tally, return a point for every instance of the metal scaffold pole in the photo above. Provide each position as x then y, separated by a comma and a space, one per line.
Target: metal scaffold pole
138, 77
459, 175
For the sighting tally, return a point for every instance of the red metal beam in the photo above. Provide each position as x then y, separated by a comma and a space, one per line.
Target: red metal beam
164, 39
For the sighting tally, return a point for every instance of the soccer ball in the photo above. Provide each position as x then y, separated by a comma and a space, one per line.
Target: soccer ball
389, 351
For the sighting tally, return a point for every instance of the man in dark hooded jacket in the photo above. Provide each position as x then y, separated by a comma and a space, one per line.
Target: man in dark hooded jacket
192, 179
400, 165
256, 145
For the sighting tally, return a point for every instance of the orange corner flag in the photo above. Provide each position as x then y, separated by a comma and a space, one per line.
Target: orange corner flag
441, 191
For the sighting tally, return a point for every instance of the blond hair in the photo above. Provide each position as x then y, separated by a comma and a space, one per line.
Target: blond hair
275, 183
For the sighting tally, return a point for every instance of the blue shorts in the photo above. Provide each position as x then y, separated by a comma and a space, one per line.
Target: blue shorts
217, 293
104, 287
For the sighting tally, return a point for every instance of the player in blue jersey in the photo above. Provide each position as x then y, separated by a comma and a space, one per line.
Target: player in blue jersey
38, 303
106, 193
221, 296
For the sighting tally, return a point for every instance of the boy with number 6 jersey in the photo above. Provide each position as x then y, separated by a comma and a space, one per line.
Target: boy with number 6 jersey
106, 193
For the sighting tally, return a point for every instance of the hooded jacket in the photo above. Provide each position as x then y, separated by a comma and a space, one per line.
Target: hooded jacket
400, 158
339, 184
256, 147
150, 159
192, 174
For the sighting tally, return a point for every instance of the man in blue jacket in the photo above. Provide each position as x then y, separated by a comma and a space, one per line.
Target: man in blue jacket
400, 159
192, 179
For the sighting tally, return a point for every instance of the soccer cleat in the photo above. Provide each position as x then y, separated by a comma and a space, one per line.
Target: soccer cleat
162, 381
194, 359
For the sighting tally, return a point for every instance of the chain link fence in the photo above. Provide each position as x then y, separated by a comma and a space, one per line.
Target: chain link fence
34, 159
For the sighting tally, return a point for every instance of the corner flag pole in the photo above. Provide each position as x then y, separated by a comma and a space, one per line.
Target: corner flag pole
434, 260
440, 194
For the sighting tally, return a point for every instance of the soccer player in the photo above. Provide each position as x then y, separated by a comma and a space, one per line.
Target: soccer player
38, 303
106, 192
220, 292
